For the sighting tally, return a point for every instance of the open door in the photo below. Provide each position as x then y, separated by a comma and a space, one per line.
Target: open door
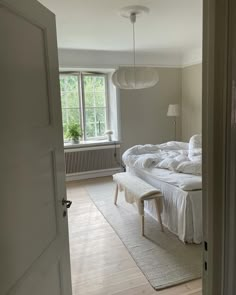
33, 223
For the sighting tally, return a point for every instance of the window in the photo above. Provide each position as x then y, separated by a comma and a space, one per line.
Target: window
84, 101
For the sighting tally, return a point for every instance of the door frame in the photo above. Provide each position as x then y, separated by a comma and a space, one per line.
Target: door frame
219, 204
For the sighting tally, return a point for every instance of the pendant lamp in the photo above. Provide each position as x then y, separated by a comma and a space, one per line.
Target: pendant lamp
135, 77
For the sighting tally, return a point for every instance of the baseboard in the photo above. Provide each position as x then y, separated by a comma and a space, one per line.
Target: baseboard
93, 174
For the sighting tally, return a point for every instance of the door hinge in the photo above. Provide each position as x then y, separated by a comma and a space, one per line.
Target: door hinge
206, 249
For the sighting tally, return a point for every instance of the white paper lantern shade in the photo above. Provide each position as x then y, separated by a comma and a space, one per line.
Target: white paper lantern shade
135, 78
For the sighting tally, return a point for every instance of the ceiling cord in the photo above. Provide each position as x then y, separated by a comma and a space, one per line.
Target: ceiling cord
134, 45
133, 20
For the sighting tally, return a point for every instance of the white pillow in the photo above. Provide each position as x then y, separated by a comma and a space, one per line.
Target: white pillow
195, 141
189, 167
195, 147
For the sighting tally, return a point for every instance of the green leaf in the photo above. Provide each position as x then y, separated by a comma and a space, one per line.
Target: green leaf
74, 131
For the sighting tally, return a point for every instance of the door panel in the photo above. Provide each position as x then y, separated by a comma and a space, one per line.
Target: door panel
26, 67
34, 188
34, 234
44, 285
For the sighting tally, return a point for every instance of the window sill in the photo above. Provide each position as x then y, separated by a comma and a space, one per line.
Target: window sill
82, 144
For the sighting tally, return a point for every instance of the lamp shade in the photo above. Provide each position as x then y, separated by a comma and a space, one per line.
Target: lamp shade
135, 78
173, 110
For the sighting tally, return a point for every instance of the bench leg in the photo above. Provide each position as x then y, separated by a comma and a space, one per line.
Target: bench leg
159, 214
142, 225
116, 194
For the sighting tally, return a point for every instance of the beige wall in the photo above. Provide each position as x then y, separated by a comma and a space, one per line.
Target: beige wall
143, 112
191, 101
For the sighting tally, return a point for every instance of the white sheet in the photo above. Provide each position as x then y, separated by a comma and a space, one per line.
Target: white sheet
182, 210
186, 182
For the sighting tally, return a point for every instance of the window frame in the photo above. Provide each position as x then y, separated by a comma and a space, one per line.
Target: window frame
81, 97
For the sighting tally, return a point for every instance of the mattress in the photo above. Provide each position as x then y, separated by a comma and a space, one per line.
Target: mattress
182, 202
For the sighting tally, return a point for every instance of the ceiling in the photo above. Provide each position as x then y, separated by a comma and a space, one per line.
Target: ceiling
171, 25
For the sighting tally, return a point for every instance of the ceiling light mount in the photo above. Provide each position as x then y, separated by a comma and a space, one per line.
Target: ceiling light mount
136, 10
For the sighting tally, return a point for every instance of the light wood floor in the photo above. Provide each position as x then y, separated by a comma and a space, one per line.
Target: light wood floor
100, 263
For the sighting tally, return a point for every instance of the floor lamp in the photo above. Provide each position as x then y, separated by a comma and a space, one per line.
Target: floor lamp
173, 111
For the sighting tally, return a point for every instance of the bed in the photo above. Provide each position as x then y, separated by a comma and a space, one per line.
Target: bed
162, 166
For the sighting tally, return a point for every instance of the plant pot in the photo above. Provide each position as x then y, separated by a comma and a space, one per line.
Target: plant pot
75, 140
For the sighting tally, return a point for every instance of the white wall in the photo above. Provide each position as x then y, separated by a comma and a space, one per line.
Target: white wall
191, 101
112, 59
143, 112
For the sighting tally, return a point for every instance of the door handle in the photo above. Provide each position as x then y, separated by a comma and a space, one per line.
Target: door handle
67, 203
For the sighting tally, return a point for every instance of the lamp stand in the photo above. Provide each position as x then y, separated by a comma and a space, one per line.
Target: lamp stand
175, 127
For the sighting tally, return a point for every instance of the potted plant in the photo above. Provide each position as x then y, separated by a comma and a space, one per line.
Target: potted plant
74, 132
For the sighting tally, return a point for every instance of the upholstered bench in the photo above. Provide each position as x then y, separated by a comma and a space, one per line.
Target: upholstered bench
137, 190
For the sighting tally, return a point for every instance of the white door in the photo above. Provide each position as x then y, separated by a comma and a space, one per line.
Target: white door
34, 251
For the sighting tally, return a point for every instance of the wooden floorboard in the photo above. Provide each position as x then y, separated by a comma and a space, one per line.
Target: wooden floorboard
100, 263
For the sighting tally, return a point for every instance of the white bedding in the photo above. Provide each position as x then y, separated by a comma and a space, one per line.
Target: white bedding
182, 210
173, 155
174, 168
187, 182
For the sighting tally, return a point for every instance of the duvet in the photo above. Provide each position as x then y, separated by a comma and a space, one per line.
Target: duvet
176, 156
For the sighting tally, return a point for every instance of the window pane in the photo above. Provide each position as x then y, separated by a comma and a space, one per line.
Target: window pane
88, 83
90, 115
73, 115
89, 99
101, 115
99, 84
90, 130
101, 129
69, 101
95, 105
94, 91
69, 91
95, 122
94, 83
100, 99
69, 83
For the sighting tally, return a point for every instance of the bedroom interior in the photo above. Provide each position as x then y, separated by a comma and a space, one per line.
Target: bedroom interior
170, 111
108, 253
151, 137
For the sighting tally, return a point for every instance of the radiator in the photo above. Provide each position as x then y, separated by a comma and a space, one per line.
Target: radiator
84, 160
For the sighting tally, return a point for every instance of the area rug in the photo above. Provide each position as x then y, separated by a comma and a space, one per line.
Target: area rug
162, 257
